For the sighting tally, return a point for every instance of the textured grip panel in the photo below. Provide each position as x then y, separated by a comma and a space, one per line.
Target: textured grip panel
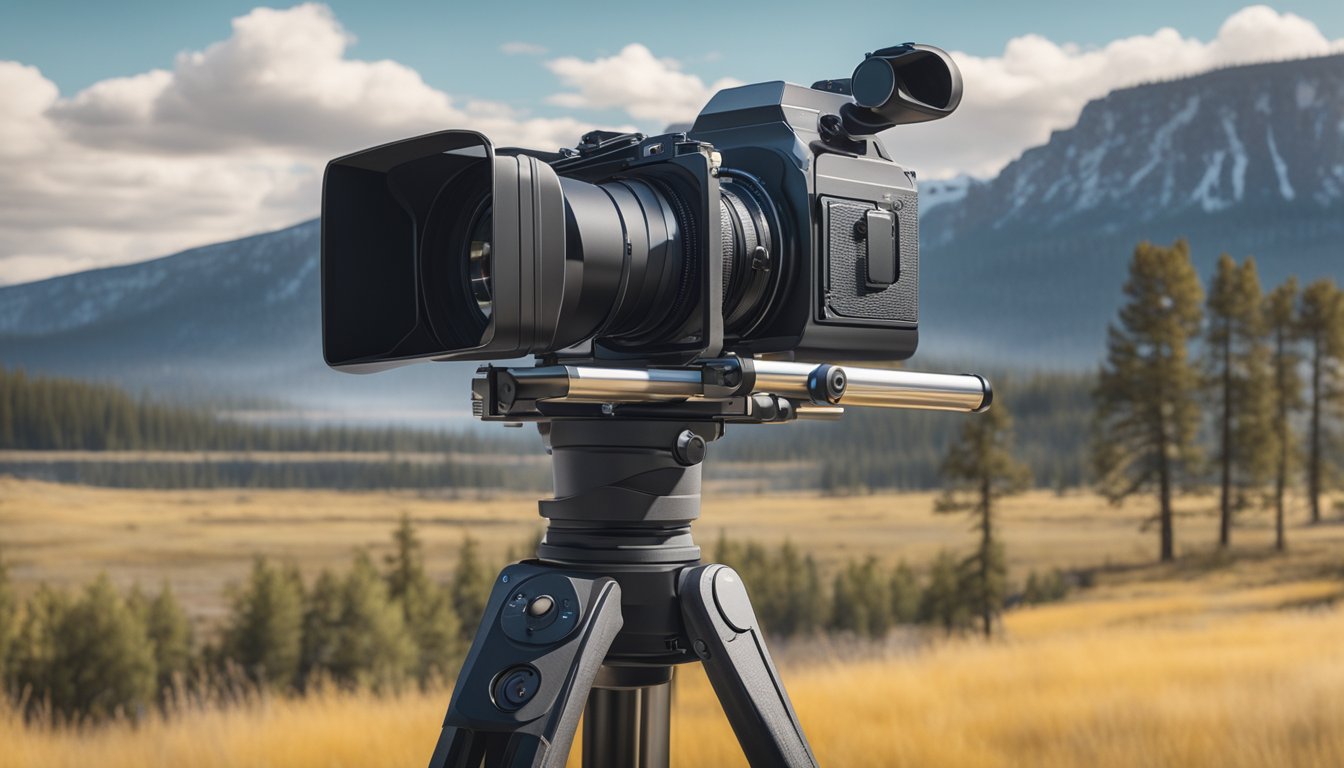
846, 263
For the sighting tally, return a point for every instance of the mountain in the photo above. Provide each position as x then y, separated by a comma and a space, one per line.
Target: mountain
235, 323
1247, 160
1024, 269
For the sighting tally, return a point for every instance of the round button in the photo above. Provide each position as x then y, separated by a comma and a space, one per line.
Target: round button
516, 686
540, 606
689, 449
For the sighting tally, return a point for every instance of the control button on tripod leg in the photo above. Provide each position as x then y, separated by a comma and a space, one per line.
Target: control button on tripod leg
516, 686
540, 606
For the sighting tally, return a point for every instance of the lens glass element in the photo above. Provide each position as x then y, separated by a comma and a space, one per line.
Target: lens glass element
479, 265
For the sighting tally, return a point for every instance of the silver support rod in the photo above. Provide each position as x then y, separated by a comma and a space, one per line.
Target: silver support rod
805, 383
592, 384
878, 387
911, 389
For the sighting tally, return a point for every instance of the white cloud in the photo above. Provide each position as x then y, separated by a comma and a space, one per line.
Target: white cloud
1013, 101
636, 81
230, 142
520, 48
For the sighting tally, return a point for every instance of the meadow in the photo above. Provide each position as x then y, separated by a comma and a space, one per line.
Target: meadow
1226, 660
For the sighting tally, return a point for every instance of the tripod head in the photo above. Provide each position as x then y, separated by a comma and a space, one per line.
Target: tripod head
725, 390
617, 594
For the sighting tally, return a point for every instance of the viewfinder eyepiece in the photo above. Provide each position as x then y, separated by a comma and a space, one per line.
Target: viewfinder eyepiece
910, 83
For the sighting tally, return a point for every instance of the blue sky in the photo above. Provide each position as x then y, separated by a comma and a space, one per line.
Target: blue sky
131, 130
455, 45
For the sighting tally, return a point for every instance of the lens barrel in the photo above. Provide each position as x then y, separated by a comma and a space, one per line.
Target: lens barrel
438, 248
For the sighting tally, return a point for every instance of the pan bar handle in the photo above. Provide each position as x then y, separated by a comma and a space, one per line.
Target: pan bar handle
877, 387
874, 387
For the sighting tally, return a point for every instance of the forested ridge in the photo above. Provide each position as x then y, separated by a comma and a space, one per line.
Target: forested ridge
49, 413
869, 449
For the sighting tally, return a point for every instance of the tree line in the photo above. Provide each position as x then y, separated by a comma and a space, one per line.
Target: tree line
1236, 385
53, 413
100, 654
386, 625
507, 473
885, 450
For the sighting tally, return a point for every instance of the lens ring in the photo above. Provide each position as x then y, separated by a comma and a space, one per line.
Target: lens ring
451, 303
756, 294
479, 258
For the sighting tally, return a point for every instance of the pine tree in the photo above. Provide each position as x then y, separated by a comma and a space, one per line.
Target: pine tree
321, 628
471, 586
427, 608
32, 665
169, 633
405, 564
943, 600
88, 657
264, 633
373, 647
979, 469
904, 594
1237, 364
1285, 359
1147, 411
812, 600
848, 612
9, 624
874, 592
1322, 325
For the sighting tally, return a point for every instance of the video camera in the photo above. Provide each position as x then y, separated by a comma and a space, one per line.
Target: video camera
777, 226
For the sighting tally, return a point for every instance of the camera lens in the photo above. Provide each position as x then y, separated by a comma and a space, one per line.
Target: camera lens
479, 261
752, 267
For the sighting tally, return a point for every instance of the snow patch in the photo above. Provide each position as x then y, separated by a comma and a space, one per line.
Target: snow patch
943, 191
1239, 160
1160, 146
1280, 167
288, 288
1306, 94
1206, 193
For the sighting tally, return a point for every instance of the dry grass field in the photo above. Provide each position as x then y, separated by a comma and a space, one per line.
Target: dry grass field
201, 540
1212, 661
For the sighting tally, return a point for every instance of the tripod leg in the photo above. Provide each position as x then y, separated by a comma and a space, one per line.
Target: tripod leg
526, 679
726, 637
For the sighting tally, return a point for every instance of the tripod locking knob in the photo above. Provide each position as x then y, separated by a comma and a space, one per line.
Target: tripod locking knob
516, 686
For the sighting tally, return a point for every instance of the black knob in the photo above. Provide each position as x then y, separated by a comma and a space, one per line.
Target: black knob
689, 449
515, 687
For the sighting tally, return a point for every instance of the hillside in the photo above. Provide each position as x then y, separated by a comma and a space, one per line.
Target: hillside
1247, 160
1021, 271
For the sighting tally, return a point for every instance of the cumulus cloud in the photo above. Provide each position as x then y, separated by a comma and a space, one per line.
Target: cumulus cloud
231, 141
1013, 101
634, 80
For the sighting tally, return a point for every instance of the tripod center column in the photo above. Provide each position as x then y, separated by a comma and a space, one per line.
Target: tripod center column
626, 492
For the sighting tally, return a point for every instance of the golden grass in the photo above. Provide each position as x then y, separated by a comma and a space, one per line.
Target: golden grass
1255, 687
201, 540
1206, 662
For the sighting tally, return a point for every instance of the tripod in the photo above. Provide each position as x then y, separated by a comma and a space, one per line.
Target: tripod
617, 595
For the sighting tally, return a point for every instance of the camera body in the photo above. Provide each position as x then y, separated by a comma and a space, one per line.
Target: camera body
777, 225
849, 222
